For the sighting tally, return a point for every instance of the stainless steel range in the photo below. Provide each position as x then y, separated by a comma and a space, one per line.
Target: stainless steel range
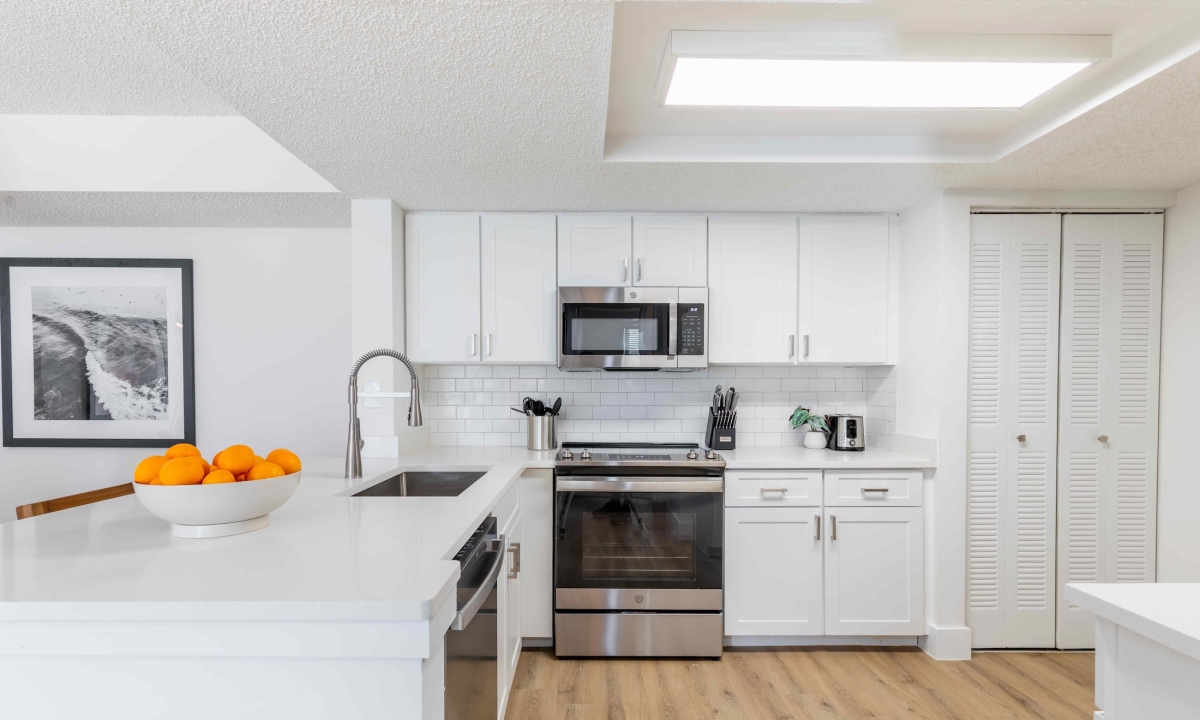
638, 550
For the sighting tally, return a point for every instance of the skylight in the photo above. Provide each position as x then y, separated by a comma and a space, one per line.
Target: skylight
791, 82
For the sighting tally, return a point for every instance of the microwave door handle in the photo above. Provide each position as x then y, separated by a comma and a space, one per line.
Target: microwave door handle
672, 324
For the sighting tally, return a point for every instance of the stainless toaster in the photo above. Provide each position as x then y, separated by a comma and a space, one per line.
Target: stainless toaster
846, 432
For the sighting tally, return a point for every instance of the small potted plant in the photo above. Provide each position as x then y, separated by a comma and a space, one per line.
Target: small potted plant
816, 436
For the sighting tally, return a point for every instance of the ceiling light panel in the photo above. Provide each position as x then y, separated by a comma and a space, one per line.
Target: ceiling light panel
870, 70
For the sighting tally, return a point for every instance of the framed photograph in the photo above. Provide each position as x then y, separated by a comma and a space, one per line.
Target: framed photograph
97, 353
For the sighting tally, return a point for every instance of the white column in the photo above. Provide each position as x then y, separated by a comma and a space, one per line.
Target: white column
377, 320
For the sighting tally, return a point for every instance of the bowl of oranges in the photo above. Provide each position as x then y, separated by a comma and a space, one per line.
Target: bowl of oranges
233, 494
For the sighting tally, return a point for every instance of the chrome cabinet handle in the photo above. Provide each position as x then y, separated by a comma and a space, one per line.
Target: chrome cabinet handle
472, 344
487, 344
805, 346
624, 269
1020, 438
878, 490
1103, 438
515, 568
817, 520
791, 346
833, 527
639, 270
781, 490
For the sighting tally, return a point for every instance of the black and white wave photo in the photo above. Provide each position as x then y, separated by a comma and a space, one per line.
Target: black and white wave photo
99, 353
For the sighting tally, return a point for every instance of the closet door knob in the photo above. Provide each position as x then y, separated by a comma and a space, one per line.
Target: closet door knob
1020, 438
1103, 438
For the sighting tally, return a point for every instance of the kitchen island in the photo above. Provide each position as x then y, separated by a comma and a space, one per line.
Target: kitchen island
337, 609
1147, 648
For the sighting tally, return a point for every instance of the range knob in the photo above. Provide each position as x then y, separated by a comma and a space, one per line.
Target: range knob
711, 454
692, 454
568, 455
585, 455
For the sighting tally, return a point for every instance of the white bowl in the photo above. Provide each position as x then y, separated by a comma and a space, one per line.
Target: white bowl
201, 511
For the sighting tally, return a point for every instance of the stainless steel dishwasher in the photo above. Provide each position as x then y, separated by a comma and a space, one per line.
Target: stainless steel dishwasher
471, 639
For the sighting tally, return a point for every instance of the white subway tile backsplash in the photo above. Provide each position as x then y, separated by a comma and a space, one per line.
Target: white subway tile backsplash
469, 405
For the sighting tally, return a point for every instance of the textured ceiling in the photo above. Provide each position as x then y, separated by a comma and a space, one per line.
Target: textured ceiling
501, 105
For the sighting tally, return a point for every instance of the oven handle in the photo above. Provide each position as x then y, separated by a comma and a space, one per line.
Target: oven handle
647, 484
463, 618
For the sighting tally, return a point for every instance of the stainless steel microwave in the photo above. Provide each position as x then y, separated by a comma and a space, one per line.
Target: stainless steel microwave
622, 328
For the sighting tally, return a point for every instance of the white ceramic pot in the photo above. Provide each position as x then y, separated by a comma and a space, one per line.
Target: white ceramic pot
202, 511
815, 439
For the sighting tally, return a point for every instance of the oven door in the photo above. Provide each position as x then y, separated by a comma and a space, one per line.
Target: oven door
617, 327
638, 543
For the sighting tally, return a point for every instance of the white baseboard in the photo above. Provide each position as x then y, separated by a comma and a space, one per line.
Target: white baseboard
743, 641
948, 643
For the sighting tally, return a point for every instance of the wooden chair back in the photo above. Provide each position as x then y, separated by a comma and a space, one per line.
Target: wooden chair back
70, 501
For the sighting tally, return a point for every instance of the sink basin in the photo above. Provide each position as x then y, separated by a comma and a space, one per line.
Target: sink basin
423, 484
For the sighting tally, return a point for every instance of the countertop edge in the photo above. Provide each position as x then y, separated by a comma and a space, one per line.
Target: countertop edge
1114, 612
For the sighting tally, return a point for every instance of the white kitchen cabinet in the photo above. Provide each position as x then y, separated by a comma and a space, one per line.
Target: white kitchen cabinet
595, 250
773, 571
1012, 433
845, 267
442, 287
752, 288
537, 554
1107, 407
518, 288
874, 572
508, 606
670, 250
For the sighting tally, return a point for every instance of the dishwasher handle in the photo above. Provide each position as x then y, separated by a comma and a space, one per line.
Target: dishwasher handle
464, 616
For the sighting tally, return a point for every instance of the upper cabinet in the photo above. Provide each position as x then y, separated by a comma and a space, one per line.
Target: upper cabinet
752, 288
518, 288
670, 250
595, 250
845, 310
442, 287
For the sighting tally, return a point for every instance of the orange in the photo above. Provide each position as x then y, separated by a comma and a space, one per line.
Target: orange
156, 481
207, 467
258, 459
241, 477
265, 470
182, 450
237, 459
285, 459
216, 458
148, 469
182, 471
218, 476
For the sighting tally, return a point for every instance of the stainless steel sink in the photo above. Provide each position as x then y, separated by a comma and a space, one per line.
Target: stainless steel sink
423, 484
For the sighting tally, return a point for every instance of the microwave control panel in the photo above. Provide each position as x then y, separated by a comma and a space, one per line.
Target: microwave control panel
690, 329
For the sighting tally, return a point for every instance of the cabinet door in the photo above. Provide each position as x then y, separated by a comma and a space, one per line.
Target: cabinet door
595, 250
670, 250
518, 288
537, 554
508, 612
773, 571
1013, 429
844, 292
874, 575
442, 295
1108, 407
752, 289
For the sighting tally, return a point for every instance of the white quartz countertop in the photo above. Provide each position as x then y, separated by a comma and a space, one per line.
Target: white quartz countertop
1167, 613
762, 458
325, 555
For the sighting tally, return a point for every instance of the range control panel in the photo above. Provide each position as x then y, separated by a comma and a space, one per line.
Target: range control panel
691, 329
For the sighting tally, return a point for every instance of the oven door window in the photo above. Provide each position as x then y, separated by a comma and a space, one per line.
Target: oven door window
616, 328
638, 540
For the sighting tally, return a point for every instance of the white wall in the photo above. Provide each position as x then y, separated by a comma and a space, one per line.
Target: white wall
1179, 421
272, 345
920, 311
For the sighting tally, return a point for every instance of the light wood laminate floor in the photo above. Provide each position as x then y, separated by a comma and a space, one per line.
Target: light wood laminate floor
796, 684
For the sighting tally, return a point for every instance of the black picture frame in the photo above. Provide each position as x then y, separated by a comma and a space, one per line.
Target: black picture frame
188, 347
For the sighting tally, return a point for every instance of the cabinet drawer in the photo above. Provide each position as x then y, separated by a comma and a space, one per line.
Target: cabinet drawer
773, 488
870, 488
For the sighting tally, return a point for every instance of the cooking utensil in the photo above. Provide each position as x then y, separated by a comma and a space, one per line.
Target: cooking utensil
716, 403
728, 404
539, 408
734, 400
527, 403
556, 407
518, 410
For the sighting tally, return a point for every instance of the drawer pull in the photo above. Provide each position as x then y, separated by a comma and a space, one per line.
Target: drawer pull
780, 490
817, 518
833, 527
878, 490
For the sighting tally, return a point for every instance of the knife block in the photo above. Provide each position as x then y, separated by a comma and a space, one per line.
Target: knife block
720, 438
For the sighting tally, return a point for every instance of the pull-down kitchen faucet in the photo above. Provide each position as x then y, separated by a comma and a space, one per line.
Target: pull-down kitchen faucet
354, 442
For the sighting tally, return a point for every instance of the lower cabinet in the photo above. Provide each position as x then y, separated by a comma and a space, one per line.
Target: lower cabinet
823, 570
773, 571
508, 601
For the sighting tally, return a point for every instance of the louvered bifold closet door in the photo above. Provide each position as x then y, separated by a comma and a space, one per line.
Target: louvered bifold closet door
1108, 405
1013, 429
